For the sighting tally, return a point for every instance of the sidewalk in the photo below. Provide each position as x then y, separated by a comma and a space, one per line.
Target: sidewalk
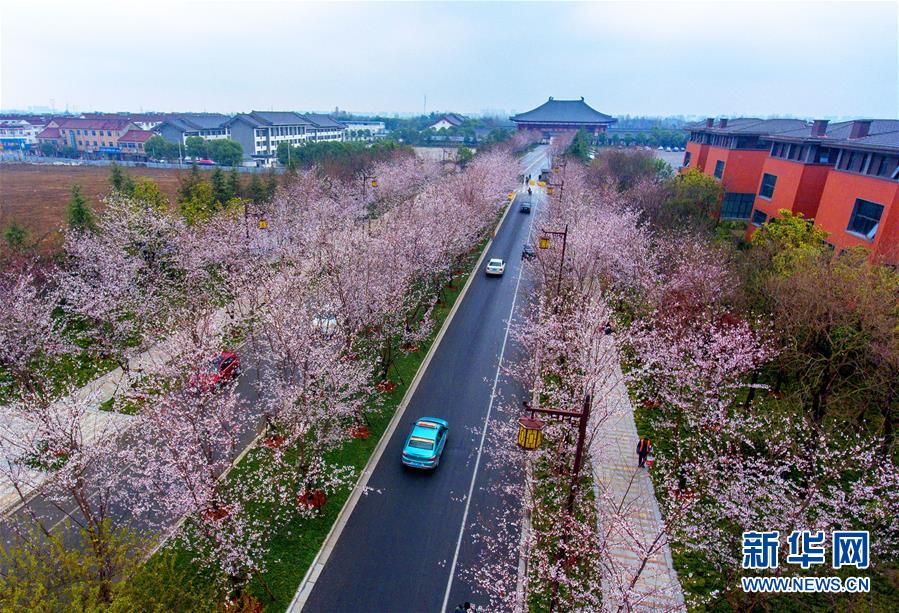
629, 520
98, 423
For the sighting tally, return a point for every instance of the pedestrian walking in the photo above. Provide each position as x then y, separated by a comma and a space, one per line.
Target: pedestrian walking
643, 449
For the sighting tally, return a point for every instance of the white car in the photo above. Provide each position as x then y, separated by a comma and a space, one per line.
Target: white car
325, 324
495, 267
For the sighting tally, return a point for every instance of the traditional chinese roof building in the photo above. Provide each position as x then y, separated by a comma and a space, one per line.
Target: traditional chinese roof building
555, 116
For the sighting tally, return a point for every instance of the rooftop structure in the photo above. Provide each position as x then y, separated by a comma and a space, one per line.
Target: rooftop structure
450, 120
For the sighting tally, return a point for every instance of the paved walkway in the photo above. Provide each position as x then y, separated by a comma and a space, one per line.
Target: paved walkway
96, 424
629, 520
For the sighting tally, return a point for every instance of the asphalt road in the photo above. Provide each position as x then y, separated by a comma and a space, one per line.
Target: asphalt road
398, 550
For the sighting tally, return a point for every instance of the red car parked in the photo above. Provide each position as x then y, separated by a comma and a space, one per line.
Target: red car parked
224, 368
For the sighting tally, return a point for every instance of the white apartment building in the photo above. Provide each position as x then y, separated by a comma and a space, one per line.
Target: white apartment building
260, 132
324, 128
364, 129
20, 133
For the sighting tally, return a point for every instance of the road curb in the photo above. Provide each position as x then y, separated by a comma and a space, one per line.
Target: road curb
321, 558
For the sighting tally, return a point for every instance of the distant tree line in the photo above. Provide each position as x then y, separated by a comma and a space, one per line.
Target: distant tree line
224, 151
339, 159
654, 137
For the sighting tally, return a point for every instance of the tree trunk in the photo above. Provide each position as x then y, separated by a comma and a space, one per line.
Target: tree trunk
889, 432
819, 398
751, 394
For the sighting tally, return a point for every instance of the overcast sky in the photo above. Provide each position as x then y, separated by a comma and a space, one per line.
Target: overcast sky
810, 59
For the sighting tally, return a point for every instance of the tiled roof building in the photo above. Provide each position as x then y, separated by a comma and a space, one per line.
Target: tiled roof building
555, 116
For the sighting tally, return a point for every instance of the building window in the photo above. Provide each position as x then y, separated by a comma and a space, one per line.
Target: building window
865, 218
854, 161
767, 189
93, 132
825, 155
885, 167
719, 169
737, 206
759, 217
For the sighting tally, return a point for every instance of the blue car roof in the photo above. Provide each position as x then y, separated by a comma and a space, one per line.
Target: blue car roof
422, 428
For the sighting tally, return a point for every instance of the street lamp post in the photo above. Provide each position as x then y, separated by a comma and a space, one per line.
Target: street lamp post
261, 223
544, 244
583, 419
560, 185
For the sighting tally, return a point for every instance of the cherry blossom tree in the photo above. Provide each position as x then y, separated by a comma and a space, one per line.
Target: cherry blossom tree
522, 139
68, 442
118, 284
28, 329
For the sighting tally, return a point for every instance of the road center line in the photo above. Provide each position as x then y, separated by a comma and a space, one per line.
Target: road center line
477, 463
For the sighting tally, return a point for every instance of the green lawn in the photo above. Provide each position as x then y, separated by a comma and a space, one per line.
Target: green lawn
700, 579
551, 492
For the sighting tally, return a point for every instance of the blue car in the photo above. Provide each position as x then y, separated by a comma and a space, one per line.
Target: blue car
425, 443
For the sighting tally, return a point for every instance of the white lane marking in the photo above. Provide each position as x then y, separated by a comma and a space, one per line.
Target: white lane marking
534, 163
477, 463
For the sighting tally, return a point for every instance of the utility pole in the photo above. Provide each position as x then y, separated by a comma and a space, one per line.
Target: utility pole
583, 418
564, 236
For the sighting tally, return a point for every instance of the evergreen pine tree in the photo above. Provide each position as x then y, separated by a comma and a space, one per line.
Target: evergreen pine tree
16, 237
234, 185
219, 187
78, 215
116, 176
257, 189
120, 180
271, 185
188, 183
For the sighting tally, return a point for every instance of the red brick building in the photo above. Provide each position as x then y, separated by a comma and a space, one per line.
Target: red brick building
97, 138
734, 152
859, 203
843, 176
131, 144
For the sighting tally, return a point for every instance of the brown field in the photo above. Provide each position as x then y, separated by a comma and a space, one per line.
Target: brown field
36, 195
